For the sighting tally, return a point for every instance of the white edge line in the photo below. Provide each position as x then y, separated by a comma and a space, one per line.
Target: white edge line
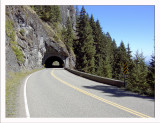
25, 98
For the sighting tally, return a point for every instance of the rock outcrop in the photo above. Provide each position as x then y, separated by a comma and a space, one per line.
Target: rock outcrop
68, 11
33, 39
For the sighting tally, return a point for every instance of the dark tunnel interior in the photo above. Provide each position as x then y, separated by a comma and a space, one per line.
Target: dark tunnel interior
54, 62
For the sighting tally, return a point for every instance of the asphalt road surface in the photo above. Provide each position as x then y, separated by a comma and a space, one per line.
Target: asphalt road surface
57, 93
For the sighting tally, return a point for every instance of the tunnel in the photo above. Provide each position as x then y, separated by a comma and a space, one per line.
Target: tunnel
54, 62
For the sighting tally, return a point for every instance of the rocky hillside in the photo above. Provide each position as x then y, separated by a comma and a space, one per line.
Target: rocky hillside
28, 38
68, 11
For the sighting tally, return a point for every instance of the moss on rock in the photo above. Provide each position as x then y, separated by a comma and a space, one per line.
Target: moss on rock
14, 45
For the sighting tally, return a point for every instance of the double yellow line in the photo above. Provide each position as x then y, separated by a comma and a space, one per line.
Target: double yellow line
102, 99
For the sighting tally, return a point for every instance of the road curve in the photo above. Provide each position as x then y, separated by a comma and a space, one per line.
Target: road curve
57, 93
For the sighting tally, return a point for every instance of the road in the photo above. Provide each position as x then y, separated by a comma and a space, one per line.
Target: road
57, 93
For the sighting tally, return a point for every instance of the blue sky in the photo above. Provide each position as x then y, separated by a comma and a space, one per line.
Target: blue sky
130, 24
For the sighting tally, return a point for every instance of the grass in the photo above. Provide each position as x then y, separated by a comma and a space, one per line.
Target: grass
14, 45
13, 83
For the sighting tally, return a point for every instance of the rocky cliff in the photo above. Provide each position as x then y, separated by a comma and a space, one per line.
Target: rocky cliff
68, 11
29, 39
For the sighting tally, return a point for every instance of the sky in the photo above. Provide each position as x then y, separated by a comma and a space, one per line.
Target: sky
130, 24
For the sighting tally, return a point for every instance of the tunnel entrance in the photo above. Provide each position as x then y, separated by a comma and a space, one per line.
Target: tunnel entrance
54, 62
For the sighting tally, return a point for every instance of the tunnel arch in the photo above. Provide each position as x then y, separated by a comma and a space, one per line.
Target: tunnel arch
50, 60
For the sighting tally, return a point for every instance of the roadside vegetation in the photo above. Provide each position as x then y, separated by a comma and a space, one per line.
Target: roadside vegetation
14, 45
13, 83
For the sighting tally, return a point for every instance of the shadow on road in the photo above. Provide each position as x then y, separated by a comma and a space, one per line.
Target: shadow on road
117, 92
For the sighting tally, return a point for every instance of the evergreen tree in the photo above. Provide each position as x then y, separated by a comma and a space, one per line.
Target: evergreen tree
93, 26
129, 55
107, 68
69, 35
55, 13
76, 46
99, 61
109, 51
77, 14
130, 64
137, 81
86, 51
106, 55
77, 19
108, 44
48, 13
151, 77
97, 56
115, 61
123, 53
121, 60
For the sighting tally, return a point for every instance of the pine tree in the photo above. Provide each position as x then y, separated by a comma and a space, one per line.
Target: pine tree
129, 55
76, 46
93, 26
99, 61
115, 60
130, 64
86, 51
123, 52
151, 77
77, 14
121, 60
48, 13
109, 50
107, 68
69, 35
137, 81
97, 57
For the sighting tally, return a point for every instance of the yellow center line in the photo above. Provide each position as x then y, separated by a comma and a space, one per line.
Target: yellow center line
101, 99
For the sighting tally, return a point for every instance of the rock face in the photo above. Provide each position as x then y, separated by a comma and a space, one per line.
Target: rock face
68, 11
35, 39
